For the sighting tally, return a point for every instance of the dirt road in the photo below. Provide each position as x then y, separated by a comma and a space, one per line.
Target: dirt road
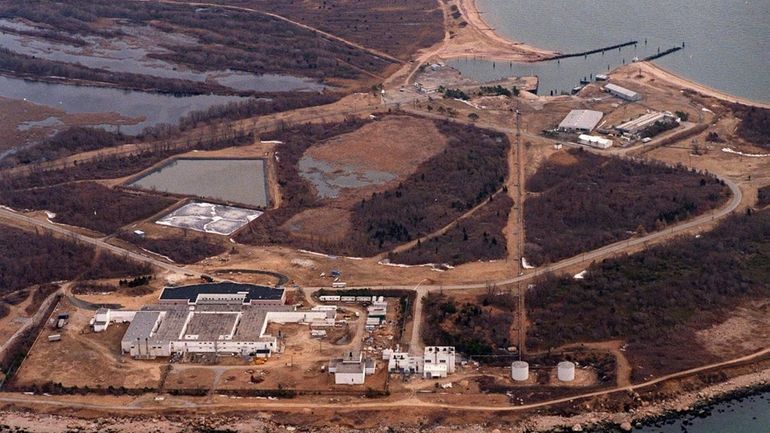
409, 402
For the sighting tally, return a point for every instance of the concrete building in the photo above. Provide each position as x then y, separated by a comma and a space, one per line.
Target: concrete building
622, 92
402, 362
197, 321
594, 141
351, 369
438, 361
581, 121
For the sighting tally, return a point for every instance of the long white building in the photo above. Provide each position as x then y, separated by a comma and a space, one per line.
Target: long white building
202, 322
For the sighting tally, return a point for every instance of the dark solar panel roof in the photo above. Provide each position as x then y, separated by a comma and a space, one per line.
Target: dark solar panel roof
253, 292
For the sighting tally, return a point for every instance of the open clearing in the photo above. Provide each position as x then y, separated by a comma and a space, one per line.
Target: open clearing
73, 361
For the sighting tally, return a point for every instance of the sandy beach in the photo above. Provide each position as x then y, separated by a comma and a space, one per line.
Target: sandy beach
476, 39
473, 16
686, 83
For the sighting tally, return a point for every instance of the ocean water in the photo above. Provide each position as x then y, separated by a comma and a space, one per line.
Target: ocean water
747, 414
727, 42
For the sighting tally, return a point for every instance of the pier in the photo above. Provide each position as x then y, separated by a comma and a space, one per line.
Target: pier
598, 50
662, 53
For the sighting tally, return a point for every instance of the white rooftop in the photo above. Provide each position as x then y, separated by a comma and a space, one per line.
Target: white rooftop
584, 120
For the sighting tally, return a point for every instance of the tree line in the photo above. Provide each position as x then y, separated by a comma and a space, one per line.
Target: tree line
36, 258
235, 40
467, 172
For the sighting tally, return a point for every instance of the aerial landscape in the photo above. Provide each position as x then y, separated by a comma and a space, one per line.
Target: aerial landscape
380, 216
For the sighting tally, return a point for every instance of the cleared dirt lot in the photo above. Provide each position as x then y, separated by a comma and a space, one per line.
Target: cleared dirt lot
83, 358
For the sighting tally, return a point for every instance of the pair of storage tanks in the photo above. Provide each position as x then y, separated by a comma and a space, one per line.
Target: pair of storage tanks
565, 371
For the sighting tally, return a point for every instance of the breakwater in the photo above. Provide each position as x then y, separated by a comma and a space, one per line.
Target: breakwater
598, 50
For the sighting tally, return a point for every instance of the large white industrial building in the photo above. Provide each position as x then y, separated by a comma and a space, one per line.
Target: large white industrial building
208, 318
581, 121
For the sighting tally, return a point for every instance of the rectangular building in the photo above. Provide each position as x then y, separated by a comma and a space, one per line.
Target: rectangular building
594, 141
581, 121
622, 92
438, 361
223, 293
164, 329
635, 126
351, 369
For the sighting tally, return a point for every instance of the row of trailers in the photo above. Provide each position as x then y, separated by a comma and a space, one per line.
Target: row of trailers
351, 299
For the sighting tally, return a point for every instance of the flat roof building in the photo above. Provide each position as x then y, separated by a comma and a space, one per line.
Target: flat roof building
161, 330
438, 361
581, 121
225, 292
635, 126
594, 141
622, 92
351, 369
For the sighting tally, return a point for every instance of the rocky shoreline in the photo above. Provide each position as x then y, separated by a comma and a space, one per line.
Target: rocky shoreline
688, 402
694, 402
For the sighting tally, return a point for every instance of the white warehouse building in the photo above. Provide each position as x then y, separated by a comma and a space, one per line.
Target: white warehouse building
581, 121
212, 323
594, 141
622, 92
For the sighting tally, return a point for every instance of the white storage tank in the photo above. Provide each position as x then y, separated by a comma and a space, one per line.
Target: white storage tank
565, 371
519, 371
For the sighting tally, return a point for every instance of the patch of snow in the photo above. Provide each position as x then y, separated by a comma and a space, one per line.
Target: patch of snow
580, 275
750, 155
525, 264
272, 142
158, 254
314, 253
706, 110
50, 215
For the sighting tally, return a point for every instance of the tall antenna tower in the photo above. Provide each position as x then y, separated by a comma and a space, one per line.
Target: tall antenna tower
519, 229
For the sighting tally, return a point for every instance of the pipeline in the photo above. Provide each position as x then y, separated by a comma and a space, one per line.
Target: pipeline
598, 50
